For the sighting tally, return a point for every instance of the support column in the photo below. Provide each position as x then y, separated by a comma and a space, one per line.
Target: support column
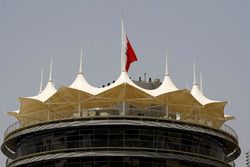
123, 108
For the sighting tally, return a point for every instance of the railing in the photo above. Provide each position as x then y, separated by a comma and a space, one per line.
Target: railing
101, 112
109, 112
15, 126
229, 130
8, 161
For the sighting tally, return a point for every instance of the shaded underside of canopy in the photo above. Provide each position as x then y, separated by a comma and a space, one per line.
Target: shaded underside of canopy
180, 101
30, 105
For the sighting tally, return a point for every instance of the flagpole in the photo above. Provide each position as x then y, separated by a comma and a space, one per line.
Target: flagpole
80, 72
122, 46
166, 74
122, 63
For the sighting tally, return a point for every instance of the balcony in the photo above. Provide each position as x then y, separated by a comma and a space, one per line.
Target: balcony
106, 113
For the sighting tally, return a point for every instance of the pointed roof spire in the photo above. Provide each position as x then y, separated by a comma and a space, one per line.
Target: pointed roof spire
198, 94
167, 73
41, 83
81, 59
50, 70
167, 84
194, 73
201, 81
49, 89
80, 83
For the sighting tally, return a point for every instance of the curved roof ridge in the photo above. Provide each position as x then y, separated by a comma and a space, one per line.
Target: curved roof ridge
166, 87
197, 93
48, 91
200, 97
80, 83
124, 78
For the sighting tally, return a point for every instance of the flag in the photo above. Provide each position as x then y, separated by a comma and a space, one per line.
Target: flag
130, 55
127, 51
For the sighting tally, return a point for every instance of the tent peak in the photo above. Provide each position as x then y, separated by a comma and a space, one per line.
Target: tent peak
124, 79
200, 97
47, 92
166, 86
80, 83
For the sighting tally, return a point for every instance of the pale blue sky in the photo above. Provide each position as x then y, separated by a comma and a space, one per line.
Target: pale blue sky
214, 32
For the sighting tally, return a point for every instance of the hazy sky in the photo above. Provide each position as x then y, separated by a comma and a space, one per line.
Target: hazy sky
216, 33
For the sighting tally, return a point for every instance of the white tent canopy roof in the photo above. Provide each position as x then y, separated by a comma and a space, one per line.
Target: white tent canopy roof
48, 91
199, 96
123, 79
197, 93
166, 87
81, 84
123, 89
167, 83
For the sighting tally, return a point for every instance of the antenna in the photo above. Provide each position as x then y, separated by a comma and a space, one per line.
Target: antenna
167, 73
50, 70
41, 82
194, 73
81, 59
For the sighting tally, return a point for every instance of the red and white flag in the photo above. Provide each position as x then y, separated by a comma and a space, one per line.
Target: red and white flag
128, 52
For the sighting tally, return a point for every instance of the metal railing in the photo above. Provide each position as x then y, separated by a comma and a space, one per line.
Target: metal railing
229, 130
111, 112
8, 161
13, 127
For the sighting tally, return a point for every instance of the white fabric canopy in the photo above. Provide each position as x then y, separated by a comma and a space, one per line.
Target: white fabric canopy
167, 86
81, 84
199, 96
48, 91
